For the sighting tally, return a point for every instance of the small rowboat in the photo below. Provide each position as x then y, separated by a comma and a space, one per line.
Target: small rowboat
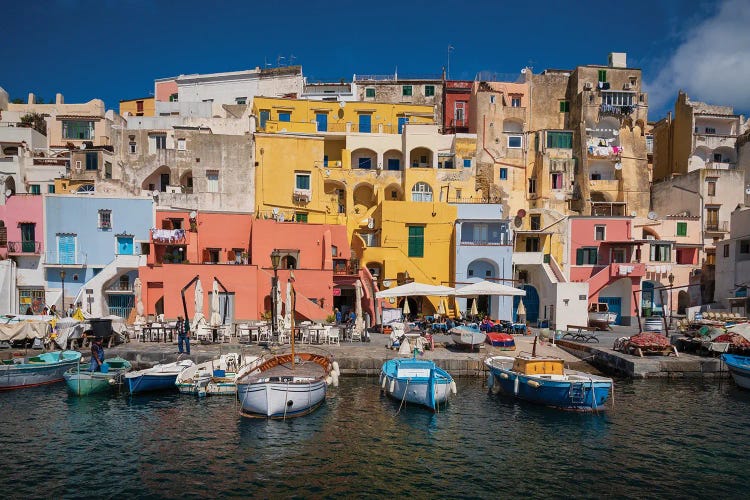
46, 368
467, 336
156, 378
213, 377
83, 382
739, 367
502, 340
418, 381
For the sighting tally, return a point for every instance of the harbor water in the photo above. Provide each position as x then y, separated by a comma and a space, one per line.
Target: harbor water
662, 439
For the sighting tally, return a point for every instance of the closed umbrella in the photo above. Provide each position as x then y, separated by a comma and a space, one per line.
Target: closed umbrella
288, 312
359, 322
474, 311
406, 307
139, 309
441, 308
521, 311
198, 302
278, 303
215, 315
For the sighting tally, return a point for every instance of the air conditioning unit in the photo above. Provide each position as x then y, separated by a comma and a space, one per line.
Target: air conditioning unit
627, 86
587, 86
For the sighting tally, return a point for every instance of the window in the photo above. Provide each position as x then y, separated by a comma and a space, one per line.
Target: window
302, 181
710, 258
602, 75
394, 194
416, 241
459, 112
744, 246
710, 130
599, 232
515, 141
421, 192
617, 98
212, 181
711, 188
467, 162
181, 145
686, 255
265, 115
161, 141
682, 229
133, 148
105, 219
35, 189
300, 217
726, 250
429, 90
660, 252
618, 255
406, 90
712, 218
107, 170
535, 222
532, 186
365, 163
285, 116
370, 93
493, 98
562, 140
503, 174
173, 98
240, 100
78, 130
564, 106
515, 102
92, 161
532, 244
51, 188
587, 256
394, 164
557, 180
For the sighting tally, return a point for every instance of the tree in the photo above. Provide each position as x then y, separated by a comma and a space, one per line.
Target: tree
35, 121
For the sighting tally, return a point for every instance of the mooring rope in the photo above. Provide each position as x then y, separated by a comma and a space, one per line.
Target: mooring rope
404, 398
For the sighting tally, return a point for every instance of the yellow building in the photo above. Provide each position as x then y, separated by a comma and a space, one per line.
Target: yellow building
390, 186
143, 106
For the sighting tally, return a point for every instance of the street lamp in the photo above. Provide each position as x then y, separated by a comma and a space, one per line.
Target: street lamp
275, 260
670, 278
62, 278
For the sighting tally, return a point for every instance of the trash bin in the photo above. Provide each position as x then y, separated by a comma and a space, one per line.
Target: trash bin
101, 327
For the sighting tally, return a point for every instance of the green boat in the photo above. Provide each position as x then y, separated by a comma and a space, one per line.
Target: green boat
83, 382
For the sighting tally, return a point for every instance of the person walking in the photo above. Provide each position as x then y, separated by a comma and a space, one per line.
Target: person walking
183, 335
97, 355
338, 315
70, 310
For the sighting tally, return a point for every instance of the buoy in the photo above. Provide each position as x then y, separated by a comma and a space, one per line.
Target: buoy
533, 383
496, 388
504, 376
384, 379
392, 387
490, 381
453, 387
336, 368
111, 381
335, 377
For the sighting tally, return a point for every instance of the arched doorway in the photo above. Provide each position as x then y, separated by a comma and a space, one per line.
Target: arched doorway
650, 299
530, 302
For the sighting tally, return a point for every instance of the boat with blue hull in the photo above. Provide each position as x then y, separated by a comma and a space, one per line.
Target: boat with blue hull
739, 367
45, 368
418, 381
157, 378
84, 382
544, 380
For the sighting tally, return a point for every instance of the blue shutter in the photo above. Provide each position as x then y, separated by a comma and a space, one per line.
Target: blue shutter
66, 249
402, 120
365, 123
124, 245
322, 120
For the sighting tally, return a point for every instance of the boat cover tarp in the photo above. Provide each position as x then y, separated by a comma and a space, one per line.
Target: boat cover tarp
23, 331
742, 329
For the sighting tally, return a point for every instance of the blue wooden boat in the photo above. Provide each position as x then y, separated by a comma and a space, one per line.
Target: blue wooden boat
45, 368
739, 367
544, 380
82, 382
156, 378
418, 381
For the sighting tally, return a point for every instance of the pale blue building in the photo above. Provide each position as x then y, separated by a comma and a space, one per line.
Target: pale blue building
96, 242
484, 251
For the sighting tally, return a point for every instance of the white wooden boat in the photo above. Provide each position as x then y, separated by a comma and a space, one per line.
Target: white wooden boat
214, 377
418, 381
599, 313
285, 385
739, 367
467, 336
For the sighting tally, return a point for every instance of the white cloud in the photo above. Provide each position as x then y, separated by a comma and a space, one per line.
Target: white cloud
711, 63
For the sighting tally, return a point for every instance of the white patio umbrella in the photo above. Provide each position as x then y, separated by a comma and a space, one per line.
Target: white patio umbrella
198, 302
487, 288
139, 309
359, 322
415, 288
474, 311
288, 313
215, 314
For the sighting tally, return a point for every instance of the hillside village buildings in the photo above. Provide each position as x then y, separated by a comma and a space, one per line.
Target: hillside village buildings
543, 182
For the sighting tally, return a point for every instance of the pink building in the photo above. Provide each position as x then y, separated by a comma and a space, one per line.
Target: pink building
236, 249
165, 89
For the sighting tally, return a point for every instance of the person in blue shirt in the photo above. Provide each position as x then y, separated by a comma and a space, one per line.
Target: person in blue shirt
97, 355
183, 335
337, 313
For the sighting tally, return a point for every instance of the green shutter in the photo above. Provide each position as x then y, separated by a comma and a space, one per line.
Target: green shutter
682, 229
416, 241
579, 257
602, 75
593, 254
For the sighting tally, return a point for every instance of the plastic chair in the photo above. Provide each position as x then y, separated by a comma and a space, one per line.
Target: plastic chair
355, 335
333, 335
263, 333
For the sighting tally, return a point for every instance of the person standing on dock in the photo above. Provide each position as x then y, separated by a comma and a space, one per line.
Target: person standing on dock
183, 335
97, 355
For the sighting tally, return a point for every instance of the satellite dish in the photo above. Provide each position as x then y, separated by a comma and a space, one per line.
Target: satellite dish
747, 190
193, 214
342, 104
653, 215
328, 172
523, 71
521, 213
155, 194
370, 223
517, 221
8, 192
82, 146
633, 213
618, 166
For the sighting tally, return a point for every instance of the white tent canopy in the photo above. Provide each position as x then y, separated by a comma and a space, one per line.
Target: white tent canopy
415, 288
487, 288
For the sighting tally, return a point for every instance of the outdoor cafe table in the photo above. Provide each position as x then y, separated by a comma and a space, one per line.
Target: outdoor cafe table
158, 332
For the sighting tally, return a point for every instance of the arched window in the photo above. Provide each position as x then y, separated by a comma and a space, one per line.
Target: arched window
421, 192
86, 189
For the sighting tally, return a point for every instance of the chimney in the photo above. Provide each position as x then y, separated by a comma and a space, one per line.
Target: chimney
32, 99
618, 60
59, 99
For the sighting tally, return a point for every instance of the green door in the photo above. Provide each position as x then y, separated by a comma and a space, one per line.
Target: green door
416, 241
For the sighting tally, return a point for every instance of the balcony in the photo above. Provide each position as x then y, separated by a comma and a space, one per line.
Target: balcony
528, 258
514, 112
713, 141
608, 209
604, 185
372, 240
721, 165
301, 196
170, 237
343, 267
120, 287
71, 259
24, 247
503, 241
717, 227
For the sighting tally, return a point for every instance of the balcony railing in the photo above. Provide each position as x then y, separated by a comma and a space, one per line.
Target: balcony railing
345, 267
492, 201
120, 287
487, 242
55, 258
720, 165
718, 227
608, 209
170, 237
24, 247
371, 239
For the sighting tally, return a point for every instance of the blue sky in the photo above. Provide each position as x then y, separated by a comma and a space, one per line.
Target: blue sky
115, 49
